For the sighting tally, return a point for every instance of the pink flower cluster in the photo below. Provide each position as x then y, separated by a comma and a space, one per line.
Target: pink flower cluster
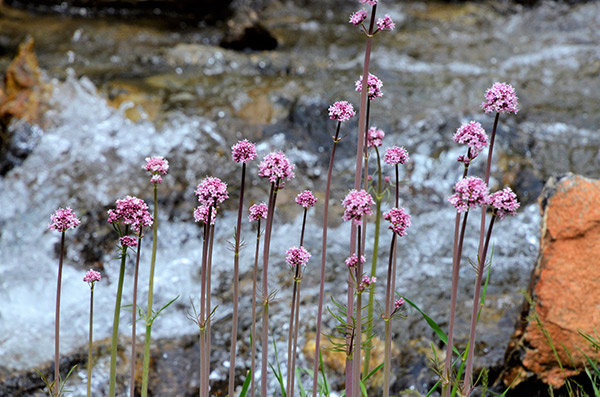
276, 167
352, 260
399, 220
470, 193
374, 86
243, 151
385, 23
395, 155
472, 135
131, 211
297, 256
366, 281
357, 204
500, 98
211, 192
63, 219
92, 276
158, 166
358, 17
371, 2
128, 241
258, 211
201, 214
341, 111
374, 137
399, 303
504, 202
306, 199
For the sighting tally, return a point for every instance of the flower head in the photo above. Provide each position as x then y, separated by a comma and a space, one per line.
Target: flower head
385, 23
158, 166
366, 281
201, 214
243, 151
371, 2
472, 135
395, 155
276, 167
257, 212
63, 219
297, 256
357, 204
500, 98
306, 199
92, 276
470, 193
358, 17
374, 85
211, 192
398, 303
128, 241
399, 220
374, 137
341, 111
504, 202
131, 211
352, 260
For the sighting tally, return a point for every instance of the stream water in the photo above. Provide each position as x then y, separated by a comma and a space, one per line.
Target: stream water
127, 89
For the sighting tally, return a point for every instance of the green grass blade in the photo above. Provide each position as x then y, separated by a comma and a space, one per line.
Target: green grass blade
246, 384
434, 388
325, 383
373, 372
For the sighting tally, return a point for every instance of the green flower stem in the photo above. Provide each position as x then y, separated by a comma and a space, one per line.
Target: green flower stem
90, 341
57, 316
149, 320
253, 332
134, 313
115, 333
296, 327
203, 294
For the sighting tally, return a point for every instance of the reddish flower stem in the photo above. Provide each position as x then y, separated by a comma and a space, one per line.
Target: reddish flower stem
134, 314
57, 316
253, 332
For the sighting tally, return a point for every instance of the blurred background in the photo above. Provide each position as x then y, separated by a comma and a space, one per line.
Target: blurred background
92, 87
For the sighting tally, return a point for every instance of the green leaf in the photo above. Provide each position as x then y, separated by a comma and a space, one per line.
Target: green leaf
434, 388
300, 386
325, 383
246, 384
373, 372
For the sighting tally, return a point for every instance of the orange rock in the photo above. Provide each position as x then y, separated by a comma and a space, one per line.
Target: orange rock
564, 285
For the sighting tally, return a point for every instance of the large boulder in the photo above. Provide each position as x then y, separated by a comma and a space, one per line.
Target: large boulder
564, 286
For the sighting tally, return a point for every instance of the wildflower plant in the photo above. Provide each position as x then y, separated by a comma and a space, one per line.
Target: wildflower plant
91, 277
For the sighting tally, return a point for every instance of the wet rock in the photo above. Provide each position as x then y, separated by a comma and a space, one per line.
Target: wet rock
563, 288
245, 32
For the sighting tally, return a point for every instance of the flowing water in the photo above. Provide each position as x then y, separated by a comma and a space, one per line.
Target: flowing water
125, 89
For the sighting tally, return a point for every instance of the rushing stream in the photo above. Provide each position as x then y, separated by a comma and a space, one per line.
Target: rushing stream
123, 90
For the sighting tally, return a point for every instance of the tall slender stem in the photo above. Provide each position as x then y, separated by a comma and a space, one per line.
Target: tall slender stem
57, 316
208, 308
389, 298
323, 260
149, 320
115, 333
90, 341
358, 331
253, 332
203, 294
296, 327
134, 313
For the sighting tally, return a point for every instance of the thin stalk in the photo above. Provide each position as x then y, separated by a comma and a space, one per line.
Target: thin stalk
389, 297
134, 313
236, 271
208, 308
202, 360
358, 331
296, 327
476, 308
323, 260
90, 341
115, 333
265, 286
203, 294
146, 364
253, 332
57, 316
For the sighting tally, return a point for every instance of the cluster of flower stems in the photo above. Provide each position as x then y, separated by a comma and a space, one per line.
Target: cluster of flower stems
131, 216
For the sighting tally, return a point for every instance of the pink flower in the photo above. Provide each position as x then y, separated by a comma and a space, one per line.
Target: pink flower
92, 276
357, 204
387, 179
501, 98
398, 303
158, 166
374, 137
258, 211
358, 17
371, 2
374, 85
128, 241
366, 281
470, 193
385, 23
306, 199
243, 151
131, 211
395, 155
341, 111
211, 192
504, 202
352, 261
472, 135
297, 257
63, 219
276, 167
399, 220
201, 214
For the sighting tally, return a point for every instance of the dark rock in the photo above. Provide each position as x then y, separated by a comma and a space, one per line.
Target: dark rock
17, 141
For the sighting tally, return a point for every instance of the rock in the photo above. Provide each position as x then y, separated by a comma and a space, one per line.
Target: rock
563, 286
245, 32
